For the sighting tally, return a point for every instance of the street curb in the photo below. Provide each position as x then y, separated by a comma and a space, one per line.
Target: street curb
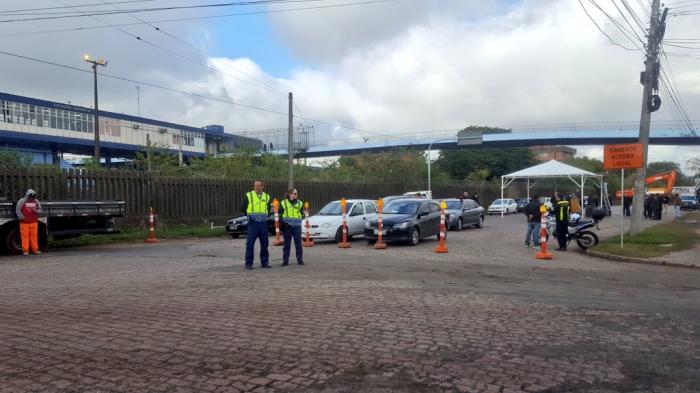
619, 258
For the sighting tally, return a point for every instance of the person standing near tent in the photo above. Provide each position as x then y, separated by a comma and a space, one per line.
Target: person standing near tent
575, 205
533, 214
562, 213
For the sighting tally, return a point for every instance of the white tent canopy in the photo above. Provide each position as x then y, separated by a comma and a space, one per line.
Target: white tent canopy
552, 169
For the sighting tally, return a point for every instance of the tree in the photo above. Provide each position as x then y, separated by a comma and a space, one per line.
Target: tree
14, 159
483, 164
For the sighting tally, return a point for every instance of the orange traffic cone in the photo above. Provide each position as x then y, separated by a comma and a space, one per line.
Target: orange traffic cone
543, 254
344, 243
307, 242
442, 248
275, 207
379, 245
152, 222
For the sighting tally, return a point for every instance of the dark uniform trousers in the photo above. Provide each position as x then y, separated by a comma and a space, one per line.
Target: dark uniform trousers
292, 232
562, 233
256, 230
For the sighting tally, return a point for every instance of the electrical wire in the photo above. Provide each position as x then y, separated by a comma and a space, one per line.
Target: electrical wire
610, 39
160, 9
206, 54
72, 6
124, 79
206, 17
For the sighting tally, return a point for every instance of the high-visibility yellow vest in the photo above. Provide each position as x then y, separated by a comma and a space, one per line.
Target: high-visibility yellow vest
292, 209
257, 206
564, 210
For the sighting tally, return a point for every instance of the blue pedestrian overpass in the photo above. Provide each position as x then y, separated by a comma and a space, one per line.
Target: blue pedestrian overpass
662, 133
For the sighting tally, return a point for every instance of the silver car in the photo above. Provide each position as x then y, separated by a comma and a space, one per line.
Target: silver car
463, 213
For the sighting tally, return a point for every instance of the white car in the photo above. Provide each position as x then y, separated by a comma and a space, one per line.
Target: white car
504, 206
327, 224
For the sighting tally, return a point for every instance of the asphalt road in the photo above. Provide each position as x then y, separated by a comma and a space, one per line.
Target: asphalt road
486, 317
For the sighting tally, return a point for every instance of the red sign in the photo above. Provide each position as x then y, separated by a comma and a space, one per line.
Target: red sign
626, 156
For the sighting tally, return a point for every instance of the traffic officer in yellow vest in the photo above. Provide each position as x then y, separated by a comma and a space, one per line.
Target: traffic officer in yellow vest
292, 217
256, 205
562, 213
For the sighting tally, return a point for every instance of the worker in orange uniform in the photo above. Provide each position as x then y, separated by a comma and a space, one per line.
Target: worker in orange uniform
28, 209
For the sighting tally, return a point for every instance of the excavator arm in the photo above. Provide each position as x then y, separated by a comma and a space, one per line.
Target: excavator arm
670, 177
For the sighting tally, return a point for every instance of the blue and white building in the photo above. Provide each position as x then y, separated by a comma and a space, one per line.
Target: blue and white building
34, 125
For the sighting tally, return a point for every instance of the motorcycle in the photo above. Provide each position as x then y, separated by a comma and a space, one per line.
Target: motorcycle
579, 230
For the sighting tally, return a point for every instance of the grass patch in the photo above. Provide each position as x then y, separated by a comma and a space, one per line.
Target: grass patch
139, 235
656, 241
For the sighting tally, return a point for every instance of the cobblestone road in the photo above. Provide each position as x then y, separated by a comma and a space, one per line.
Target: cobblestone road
487, 317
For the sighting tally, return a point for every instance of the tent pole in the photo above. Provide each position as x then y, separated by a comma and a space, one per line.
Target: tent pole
583, 211
501, 196
528, 189
601, 191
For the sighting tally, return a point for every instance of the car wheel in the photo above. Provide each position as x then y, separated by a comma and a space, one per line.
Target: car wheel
235, 235
13, 243
460, 224
480, 222
413, 236
339, 234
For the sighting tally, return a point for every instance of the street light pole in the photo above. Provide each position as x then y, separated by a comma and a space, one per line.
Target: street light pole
95, 63
430, 146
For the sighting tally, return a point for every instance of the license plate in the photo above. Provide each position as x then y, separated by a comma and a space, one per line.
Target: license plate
376, 232
234, 227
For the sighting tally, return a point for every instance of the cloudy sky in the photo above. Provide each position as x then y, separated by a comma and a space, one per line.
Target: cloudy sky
357, 70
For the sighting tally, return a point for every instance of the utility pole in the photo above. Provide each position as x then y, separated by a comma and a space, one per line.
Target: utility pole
290, 142
138, 99
95, 63
650, 103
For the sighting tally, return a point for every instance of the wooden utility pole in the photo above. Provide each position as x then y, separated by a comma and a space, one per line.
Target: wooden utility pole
650, 103
290, 142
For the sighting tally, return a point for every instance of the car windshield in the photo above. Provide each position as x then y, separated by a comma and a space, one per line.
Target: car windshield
687, 197
333, 209
499, 202
401, 207
522, 200
454, 205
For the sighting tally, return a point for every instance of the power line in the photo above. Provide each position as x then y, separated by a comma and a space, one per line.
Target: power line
121, 78
622, 29
73, 6
613, 42
263, 84
171, 52
41, 32
160, 9
124, 79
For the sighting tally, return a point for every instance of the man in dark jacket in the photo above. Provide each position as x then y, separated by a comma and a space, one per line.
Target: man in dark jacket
562, 212
532, 212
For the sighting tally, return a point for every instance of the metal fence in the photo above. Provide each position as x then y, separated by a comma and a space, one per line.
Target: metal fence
194, 197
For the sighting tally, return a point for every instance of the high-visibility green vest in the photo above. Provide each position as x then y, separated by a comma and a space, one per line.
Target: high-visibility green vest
564, 210
292, 209
257, 206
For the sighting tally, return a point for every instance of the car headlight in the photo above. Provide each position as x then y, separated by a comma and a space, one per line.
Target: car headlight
326, 225
401, 225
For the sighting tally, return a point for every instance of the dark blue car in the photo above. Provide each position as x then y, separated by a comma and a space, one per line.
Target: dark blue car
406, 220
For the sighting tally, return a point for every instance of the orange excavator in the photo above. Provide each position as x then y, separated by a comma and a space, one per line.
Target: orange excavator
670, 178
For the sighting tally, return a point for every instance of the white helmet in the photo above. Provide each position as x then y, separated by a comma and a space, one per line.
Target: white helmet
548, 205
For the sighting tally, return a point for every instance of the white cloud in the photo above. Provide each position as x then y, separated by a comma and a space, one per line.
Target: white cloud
407, 65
